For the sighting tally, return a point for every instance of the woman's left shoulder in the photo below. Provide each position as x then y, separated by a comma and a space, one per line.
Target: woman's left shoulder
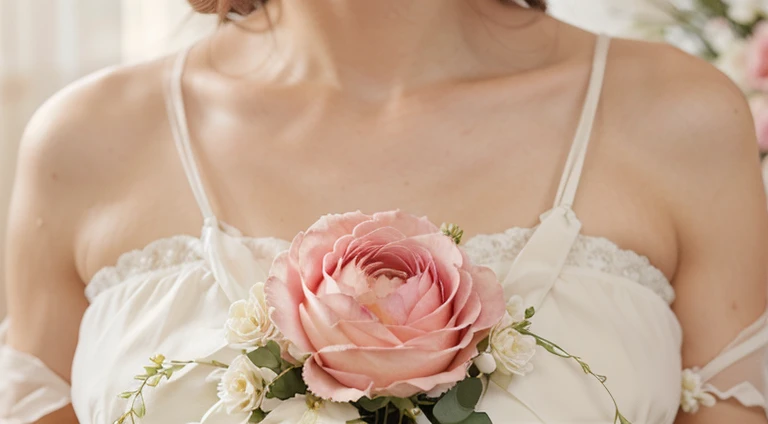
678, 108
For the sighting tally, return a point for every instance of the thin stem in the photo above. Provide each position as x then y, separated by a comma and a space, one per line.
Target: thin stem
386, 414
548, 345
214, 363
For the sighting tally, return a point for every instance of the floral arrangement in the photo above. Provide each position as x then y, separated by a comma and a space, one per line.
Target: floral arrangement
732, 34
368, 319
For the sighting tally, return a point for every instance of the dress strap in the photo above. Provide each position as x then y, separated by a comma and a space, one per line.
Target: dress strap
177, 116
569, 182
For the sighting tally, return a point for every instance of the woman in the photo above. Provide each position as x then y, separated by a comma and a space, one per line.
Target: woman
461, 110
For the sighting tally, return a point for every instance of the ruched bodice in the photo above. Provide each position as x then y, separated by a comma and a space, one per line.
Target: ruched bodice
158, 299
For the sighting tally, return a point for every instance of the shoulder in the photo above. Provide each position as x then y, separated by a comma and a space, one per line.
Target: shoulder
688, 121
93, 128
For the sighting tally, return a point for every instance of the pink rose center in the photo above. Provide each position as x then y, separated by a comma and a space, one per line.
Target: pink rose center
384, 285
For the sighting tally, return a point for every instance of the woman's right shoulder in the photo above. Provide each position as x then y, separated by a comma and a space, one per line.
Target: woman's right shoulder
99, 124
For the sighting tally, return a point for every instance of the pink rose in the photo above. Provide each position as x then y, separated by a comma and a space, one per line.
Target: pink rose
384, 304
757, 58
760, 113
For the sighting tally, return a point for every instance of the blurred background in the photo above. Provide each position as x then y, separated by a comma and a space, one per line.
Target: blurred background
46, 44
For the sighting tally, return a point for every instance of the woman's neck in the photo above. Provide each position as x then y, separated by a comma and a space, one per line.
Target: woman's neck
391, 45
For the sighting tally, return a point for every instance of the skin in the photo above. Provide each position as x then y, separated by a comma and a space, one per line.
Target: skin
460, 110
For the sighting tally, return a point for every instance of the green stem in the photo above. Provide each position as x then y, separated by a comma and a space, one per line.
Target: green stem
216, 364
559, 351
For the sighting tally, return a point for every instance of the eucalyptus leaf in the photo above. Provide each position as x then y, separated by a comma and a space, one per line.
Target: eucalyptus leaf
373, 405
469, 392
264, 358
289, 385
448, 410
477, 418
257, 416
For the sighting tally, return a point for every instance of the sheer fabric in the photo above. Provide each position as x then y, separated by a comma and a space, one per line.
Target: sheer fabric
28, 389
738, 372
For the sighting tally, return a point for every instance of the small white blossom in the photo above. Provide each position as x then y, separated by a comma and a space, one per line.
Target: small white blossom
249, 324
719, 34
512, 350
243, 385
744, 11
693, 394
485, 363
305, 410
733, 62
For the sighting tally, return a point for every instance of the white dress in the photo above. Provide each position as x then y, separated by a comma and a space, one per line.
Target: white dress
608, 305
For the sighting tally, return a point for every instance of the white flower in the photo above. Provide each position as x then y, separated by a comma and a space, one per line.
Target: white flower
249, 324
516, 309
305, 410
733, 62
511, 350
744, 11
719, 34
243, 385
486, 363
693, 394
684, 39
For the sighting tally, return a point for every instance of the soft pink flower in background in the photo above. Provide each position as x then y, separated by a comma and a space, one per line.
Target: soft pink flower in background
757, 58
384, 304
759, 106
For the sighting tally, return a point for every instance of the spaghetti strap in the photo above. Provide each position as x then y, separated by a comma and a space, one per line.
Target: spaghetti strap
177, 117
540, 262
569, 182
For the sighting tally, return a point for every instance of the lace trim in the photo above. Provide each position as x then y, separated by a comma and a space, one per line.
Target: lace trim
591, 252
160, 254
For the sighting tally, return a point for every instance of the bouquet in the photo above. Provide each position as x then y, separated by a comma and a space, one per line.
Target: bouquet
367, 319
732, 34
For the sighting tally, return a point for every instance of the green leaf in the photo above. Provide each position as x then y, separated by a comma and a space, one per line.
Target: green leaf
140, 410
264, 358
530, 312
257, 416
373, 405
623, 420
274, 348
126, 395
469, 392
448, 410
477, 418
288, 386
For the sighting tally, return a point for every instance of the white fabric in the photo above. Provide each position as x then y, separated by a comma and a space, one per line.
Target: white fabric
28, 389
607, 305
738, 371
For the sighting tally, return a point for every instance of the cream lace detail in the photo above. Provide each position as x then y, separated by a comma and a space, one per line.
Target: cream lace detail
160, 254
589, 252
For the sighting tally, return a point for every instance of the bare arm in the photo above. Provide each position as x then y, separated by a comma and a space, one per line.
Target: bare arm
719, 208
45, 293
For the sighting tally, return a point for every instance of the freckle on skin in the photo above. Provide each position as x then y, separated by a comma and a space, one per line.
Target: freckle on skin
54, 176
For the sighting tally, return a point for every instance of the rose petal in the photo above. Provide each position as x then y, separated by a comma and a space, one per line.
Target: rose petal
319, 239
491, 295
368, 333
284, 294
325, 386
391, 364
407, 224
